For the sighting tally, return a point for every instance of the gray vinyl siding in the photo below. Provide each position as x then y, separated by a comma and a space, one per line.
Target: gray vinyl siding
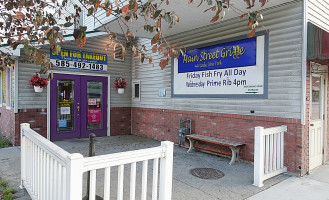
284, 72
27, 98
84, 20
318, 13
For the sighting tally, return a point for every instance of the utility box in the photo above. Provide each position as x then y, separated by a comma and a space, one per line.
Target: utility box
184, 129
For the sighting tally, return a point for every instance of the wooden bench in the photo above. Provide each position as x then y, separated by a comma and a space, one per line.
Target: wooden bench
234, 146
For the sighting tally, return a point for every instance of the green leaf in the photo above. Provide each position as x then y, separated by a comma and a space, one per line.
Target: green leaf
50, 76
147, 27
43, 28
68, 24
156, 14
57, 49
83, 28
64, 2
146, 11
131, 5
107, 3
90, 11
117, 11
135, 16
15, 46
28, 50
56, 28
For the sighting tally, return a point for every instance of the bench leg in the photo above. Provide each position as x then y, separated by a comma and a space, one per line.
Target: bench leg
235, 155
191, 145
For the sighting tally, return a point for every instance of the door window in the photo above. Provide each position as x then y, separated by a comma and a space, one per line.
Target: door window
316, 103
94, 99
65, 105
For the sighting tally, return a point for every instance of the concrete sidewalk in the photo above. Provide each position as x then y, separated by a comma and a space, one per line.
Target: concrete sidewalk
313, 186
10, 167
236, 184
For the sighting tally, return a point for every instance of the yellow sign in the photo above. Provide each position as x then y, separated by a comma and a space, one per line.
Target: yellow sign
4, 91
65, 103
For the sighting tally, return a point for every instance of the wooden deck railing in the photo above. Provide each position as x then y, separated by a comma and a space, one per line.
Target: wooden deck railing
269, 153
50, 173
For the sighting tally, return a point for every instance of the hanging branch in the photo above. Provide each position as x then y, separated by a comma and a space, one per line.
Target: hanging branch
30, 23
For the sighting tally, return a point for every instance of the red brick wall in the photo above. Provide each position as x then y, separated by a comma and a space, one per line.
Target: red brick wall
163, 125
120, 120
7, 123
37, 118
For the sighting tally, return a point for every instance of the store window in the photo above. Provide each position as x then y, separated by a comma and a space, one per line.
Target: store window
7, 83
136, 90
4, 86
1, 87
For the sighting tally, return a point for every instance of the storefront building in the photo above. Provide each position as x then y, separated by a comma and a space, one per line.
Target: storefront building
281, 79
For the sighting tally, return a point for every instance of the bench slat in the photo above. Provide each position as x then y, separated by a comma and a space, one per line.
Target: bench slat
215, 140
212, 149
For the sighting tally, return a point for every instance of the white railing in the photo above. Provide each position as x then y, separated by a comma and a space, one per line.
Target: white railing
50, 173
269, 153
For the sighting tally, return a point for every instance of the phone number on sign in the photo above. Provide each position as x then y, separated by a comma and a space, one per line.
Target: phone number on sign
79, 65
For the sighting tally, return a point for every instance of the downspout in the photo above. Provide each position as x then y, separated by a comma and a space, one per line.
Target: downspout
304, 63
16, 88
304, 168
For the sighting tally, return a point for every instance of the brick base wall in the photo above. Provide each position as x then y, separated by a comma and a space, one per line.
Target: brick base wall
120, 120
7, 123
163, 125
37, 118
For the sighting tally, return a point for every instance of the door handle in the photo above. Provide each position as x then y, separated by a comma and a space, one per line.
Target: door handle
311, 124
78, 108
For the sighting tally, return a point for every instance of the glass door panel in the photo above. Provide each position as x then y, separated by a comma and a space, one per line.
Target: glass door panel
65, 105
316, 103
94, 112
94, 105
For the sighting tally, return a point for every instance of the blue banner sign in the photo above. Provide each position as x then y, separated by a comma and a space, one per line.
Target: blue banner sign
228, 55
77, 59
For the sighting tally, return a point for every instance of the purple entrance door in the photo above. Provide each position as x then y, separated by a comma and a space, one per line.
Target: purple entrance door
78, 106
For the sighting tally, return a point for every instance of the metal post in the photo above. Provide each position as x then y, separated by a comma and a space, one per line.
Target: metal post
92, 150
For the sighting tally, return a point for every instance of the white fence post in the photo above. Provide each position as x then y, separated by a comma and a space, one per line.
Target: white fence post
74, 176
259, 157
166, 168
23, 152
49, 172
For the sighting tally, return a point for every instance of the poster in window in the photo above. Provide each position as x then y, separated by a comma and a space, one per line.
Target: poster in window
94, 115
62, 123
8, 89
12, 90
4, 92
65, 110
92, 101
